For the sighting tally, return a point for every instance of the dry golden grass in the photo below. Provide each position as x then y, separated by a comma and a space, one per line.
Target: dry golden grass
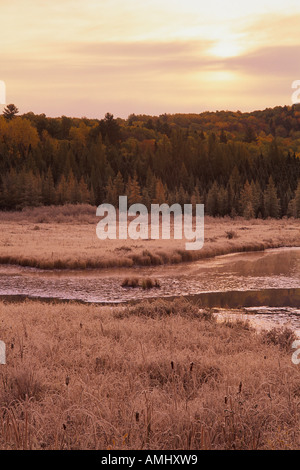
145, 283
157, 375
65, 237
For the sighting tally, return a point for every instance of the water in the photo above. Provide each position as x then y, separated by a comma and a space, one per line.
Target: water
269, 276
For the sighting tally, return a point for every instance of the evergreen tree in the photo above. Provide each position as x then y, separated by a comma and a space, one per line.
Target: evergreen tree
294, 206
247, 201
222, 201
160, 193
257, 202
62, 191
48, 189
111, 195
271, 201
133, 190
212, 200
10, 111
84, 193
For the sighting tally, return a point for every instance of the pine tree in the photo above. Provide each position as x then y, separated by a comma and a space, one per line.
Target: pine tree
222, 201
160, 194
184, 177
119, 185
84, 193
62, 195
182, 196
151, 183
48, 189
195, 199
248, 212
133, 190
10, 111
234, 188
31, 189
246, 201
294, 207
11, 189
212, 200
256, 197
271, 201
73, 194
111, 194
146, 200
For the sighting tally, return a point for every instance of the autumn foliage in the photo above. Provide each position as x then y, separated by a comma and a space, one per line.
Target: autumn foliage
235, 163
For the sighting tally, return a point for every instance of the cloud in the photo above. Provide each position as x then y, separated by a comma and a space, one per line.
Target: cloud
134, 60
64, 57
167, 57
138, 48
280, 61
274, 29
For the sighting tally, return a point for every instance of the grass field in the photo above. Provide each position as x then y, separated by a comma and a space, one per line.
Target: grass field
151, 376
65, 237
161, 375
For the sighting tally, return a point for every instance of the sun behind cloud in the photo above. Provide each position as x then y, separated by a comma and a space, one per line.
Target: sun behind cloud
226, 48
84, 58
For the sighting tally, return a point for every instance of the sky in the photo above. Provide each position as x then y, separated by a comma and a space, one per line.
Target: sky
85, 58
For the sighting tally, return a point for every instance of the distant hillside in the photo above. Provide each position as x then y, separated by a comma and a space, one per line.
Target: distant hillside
235, 163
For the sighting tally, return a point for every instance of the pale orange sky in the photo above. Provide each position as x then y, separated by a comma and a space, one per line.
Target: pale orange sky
86, 58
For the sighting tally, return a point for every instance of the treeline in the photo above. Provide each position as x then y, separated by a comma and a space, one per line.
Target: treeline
234, 163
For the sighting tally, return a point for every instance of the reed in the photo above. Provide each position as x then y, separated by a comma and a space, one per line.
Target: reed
64, 237
155, 375
146, 283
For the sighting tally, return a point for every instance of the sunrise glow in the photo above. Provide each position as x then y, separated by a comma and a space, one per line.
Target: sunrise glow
86, 58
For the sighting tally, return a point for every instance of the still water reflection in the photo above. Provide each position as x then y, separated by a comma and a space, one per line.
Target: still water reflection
265, 286
272, 269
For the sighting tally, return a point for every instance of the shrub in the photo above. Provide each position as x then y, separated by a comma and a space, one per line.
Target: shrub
282, 337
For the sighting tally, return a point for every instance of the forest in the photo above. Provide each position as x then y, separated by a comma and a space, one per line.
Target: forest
236, 164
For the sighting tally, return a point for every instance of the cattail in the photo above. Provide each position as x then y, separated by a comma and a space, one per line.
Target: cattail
191, 366
137, 416
240, 387
67, 380
172, 364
